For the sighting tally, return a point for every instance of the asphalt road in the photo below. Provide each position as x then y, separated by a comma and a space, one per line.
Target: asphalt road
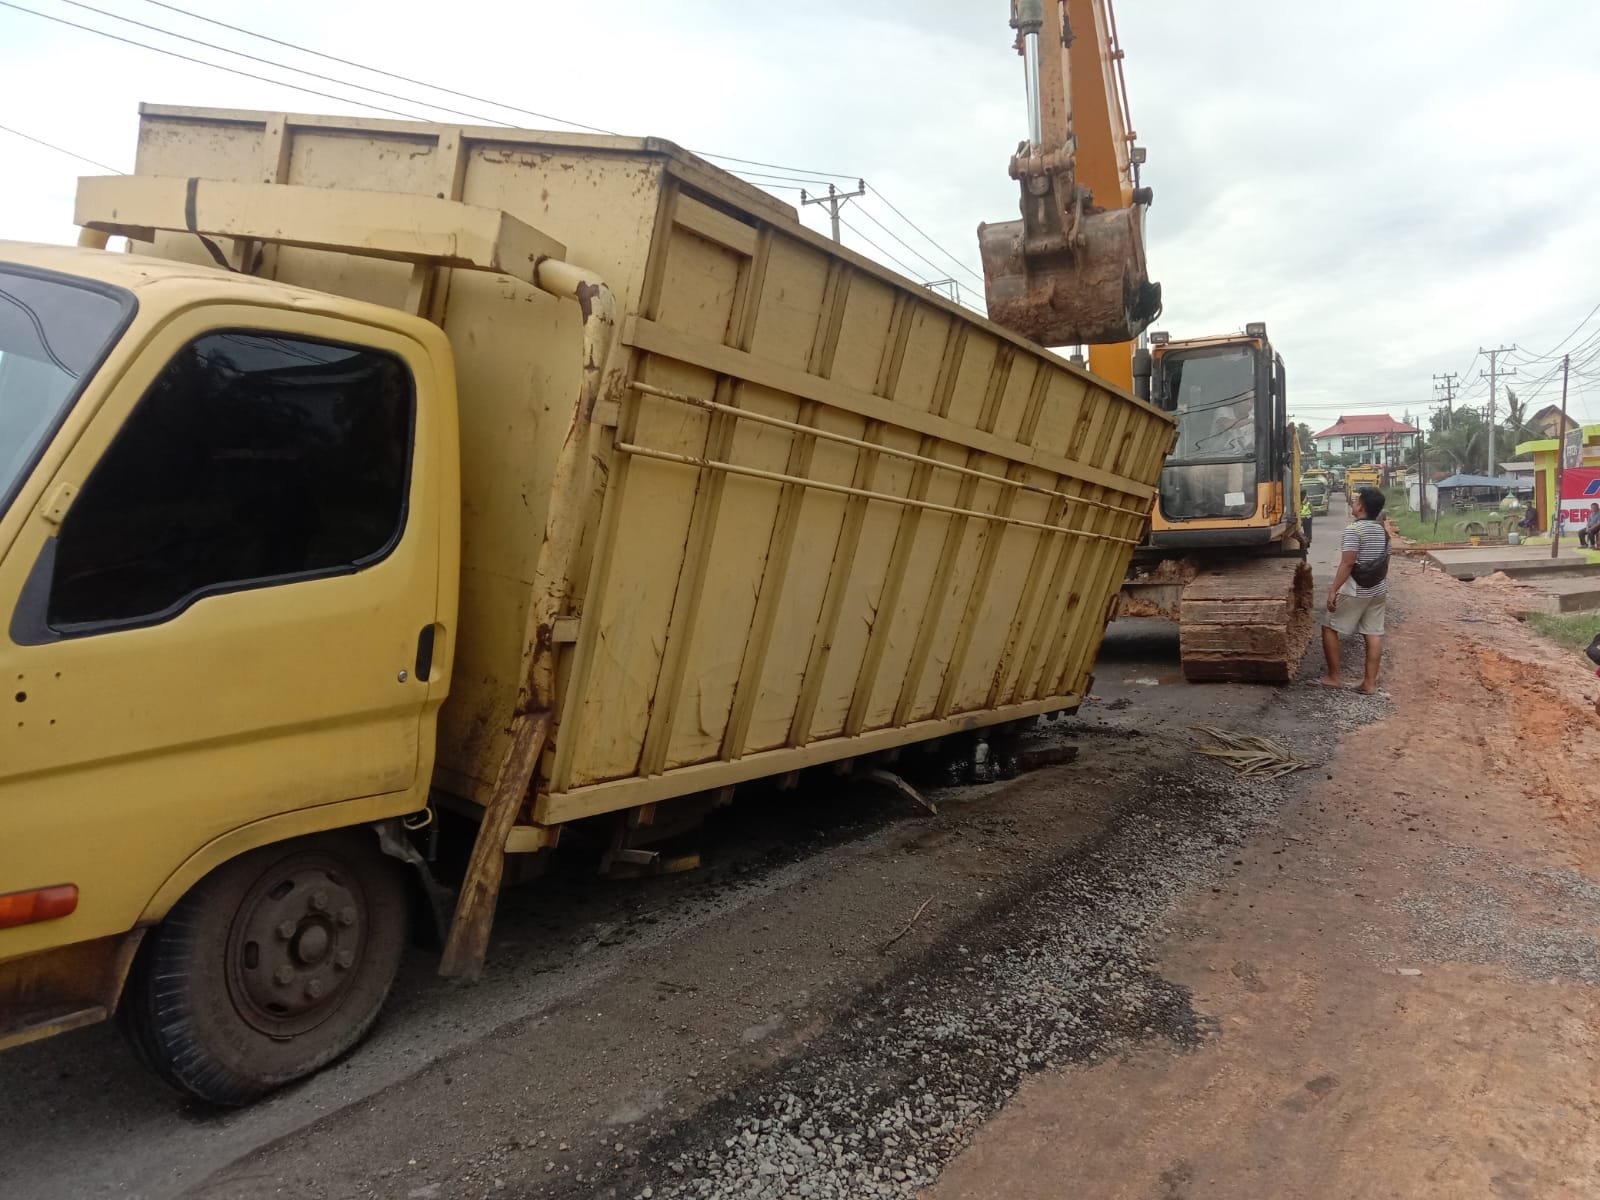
78, 1117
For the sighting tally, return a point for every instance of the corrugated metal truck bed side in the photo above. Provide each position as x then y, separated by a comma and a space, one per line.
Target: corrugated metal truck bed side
833, 513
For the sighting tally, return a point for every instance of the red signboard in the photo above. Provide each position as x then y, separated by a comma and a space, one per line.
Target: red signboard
1580, 487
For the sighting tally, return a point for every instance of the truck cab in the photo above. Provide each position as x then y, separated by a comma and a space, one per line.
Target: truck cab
206, 477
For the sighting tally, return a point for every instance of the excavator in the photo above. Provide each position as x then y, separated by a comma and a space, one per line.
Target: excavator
1223, 554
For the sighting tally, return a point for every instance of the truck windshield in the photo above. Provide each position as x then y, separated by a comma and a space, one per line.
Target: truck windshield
54, 330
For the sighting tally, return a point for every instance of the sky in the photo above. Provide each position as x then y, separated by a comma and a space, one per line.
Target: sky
1390, 186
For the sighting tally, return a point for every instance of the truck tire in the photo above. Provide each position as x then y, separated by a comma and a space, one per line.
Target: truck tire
270, 968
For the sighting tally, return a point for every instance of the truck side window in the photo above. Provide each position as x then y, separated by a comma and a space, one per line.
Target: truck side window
255, 459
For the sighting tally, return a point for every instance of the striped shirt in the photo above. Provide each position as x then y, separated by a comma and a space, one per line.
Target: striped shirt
1370, 542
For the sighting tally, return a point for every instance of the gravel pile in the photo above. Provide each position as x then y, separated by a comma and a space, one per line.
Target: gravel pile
1053, 973
1474, 921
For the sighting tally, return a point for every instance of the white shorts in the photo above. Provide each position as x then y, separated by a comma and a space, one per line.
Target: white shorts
1357, 614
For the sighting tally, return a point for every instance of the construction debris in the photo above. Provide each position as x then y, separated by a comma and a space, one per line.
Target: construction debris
1250, 754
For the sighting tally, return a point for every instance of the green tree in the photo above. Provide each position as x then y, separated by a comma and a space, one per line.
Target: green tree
1458, 444
1308, 447
1515, 429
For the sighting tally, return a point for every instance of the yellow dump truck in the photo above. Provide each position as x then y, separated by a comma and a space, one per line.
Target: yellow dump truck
407, 483
1358, 477
1315, 485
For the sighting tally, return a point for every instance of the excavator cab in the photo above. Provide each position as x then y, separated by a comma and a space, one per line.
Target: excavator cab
1223, 556
1229, 479
1072, 270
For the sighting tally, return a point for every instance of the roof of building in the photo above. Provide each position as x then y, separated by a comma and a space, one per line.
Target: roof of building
1364, 423
1478, 481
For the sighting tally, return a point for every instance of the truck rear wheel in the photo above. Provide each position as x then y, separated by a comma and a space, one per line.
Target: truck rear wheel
270, 968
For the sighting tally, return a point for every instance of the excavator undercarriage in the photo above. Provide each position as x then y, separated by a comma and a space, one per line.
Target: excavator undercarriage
1245, 620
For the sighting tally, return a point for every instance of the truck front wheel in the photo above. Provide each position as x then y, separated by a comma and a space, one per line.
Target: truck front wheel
268, 969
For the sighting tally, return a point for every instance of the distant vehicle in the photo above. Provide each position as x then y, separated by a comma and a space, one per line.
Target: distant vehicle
1358, 477
1316, 490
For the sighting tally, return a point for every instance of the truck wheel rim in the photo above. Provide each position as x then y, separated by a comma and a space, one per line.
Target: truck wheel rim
296, 945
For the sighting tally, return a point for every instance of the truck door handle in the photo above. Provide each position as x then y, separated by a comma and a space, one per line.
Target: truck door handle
425, 652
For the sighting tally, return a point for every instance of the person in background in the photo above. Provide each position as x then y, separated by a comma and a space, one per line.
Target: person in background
1360, 590
1305, 519
1530, 520
1589, 535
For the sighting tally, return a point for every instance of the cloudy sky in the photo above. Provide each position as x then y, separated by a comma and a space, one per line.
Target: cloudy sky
1390, 186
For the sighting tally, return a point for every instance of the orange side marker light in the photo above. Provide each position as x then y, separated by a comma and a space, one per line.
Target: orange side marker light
40, 904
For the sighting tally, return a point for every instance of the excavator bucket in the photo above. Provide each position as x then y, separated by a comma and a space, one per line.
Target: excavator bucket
1095, 291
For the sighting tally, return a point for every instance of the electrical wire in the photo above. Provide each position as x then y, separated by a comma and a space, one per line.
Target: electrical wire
930, 238
183, 37
28, 137
116, 37
528, 112
912, 249
1546, 357
910, 271
380, 71
815, 183
789, 174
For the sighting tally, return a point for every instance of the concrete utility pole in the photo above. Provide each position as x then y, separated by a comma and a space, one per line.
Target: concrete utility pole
1422, 477
1491, 375
835, 200
1448, 387
1561, 461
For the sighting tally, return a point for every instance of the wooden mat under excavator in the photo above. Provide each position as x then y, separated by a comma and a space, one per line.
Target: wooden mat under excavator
1246, 620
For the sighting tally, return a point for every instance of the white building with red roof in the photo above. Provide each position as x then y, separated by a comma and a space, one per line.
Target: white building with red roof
1375, 438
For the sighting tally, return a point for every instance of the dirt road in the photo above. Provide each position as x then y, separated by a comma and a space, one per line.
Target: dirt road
1131, 975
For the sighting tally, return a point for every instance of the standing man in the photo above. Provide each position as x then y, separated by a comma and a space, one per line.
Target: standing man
1360, 588
1305, 519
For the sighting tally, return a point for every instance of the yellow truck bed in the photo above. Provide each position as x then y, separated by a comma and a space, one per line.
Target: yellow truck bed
831, 512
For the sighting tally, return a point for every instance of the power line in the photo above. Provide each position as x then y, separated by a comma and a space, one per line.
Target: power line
910, 271
768, 175
28, 137
324, 78
183, 37
755, 163
379, 70
1563, 341
116, 37
528, 112
936, 267
930, 238
789, 174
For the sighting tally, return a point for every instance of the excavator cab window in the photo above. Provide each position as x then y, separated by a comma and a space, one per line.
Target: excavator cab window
1213, 392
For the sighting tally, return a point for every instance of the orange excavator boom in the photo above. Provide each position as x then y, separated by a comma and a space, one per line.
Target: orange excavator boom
1072, 270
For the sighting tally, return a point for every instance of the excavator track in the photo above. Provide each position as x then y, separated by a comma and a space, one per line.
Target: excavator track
1246, 620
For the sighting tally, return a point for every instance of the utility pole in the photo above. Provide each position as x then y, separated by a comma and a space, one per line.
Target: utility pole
1422, 475
1561, 461
1492, 375
835, 200
1448, 387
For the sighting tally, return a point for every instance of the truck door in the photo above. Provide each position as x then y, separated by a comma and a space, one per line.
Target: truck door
214, 617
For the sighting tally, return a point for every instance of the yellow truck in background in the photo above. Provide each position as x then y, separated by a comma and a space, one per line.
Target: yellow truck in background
1314, 484
410, 483
1358, 477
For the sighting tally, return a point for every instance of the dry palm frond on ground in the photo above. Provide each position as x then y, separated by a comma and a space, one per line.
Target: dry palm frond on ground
1248, 754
